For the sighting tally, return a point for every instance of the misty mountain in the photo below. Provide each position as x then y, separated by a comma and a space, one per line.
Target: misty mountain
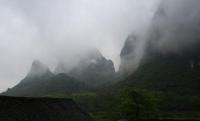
40, 82
175, 29
128, 55
171, 62
38, 69
176, 77
93, 69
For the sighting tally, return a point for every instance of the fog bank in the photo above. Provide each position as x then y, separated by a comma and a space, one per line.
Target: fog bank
51, 30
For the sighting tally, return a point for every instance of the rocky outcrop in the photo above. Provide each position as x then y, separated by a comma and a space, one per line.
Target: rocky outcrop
129, 55
40, 109
38, 69
93, 69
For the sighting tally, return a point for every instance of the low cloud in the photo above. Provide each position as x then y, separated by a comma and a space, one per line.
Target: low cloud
52, 30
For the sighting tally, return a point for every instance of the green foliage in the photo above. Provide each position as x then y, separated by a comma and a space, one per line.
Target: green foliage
137, 103
173, 76
107, 105
42, 86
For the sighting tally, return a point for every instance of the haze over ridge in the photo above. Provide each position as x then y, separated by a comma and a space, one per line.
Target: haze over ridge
51, 30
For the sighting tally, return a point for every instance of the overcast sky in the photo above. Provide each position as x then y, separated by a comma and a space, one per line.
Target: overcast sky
51, 29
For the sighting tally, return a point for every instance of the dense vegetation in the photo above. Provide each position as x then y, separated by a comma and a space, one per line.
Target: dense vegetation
176, 80
107, 105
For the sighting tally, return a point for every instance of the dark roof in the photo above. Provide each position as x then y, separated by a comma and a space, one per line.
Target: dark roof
40, 109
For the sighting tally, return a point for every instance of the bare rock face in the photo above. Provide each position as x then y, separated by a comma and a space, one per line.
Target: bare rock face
40, 109
128, 55
129, 47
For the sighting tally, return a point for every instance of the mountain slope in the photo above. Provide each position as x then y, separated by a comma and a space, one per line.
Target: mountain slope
128, 55
171, 62
38, 69
45, 83
60, 83
176, 77
93, 69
